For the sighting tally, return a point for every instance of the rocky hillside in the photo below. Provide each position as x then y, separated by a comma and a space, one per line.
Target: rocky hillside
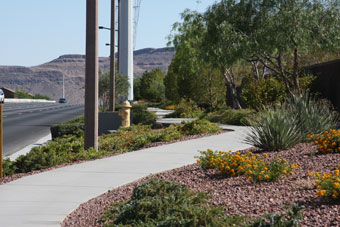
47, 78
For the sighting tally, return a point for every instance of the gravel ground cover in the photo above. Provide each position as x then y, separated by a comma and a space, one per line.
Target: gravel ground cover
238, 195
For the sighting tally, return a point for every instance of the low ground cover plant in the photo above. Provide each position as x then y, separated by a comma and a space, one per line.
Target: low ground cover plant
229, 116
252, 166
186, 109
70, 148
140, 115
72, 127
161, 203
327, 142
165, 203
328, 184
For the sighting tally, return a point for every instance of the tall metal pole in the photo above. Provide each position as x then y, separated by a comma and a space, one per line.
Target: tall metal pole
1, 142
112, 57
126, 43
118, 34
91, 76
63, 86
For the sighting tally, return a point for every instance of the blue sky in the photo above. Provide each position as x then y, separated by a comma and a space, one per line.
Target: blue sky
33, 32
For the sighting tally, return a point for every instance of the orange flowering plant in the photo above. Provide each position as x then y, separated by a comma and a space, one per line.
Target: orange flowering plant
327, 142
328, 184
254, 167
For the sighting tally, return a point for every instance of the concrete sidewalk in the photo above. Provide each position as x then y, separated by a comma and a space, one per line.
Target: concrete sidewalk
45, 199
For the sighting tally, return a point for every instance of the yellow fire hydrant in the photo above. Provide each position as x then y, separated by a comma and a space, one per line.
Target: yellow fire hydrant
124, 112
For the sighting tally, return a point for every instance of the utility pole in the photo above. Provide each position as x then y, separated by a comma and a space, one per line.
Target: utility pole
126, 43
91, 76
113, 57
63, 86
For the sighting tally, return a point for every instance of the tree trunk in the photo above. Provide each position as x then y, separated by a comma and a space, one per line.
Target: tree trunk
232, 98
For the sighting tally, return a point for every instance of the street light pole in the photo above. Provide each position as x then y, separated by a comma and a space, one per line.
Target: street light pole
91, 76
112, 58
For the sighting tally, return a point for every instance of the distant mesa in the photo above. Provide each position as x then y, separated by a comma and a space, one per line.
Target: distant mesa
46, 79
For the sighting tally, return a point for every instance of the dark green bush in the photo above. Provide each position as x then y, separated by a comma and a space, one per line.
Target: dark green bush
230, 116
199, 126
161, 203
59, 151
186, 109
70, 148
140, 115
287, 219
61, 130
258, 94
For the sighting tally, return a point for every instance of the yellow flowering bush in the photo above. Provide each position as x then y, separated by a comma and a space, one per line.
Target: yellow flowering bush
261, 170
327, 142
328, 184
252, 166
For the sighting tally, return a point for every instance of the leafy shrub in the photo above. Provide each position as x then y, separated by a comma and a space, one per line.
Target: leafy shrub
282, 127
327, 142
199, 126
289, 219
140, 115
328, 184
76, 129
70, 148
258, 94
161, 203
59, 151
252, 166
186, 109
230, 116
260, 170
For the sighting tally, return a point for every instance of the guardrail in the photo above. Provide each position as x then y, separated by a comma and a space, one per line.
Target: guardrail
12, 100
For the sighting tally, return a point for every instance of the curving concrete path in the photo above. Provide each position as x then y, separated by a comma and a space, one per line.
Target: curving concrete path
45, 199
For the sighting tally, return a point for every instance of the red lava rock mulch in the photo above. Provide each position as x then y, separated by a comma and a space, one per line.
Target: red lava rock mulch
238, 195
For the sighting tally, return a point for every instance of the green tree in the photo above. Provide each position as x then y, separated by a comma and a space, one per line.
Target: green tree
122, 86
190, 76
278, 35
152, 85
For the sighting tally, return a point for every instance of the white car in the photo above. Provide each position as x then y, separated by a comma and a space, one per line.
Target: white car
2, 96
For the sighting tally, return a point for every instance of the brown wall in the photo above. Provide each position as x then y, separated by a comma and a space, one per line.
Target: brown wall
328, 80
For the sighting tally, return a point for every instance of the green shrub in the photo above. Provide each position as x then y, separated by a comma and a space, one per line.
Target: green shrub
258, 94
70, 148
61, 130
59, 151
199, 126
230, 116
282, 127
161, 203
186, 109
287, 219
140, 115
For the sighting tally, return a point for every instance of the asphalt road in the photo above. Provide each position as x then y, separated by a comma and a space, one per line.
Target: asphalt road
25, 123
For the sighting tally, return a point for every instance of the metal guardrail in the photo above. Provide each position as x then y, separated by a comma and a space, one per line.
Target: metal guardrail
12, 100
